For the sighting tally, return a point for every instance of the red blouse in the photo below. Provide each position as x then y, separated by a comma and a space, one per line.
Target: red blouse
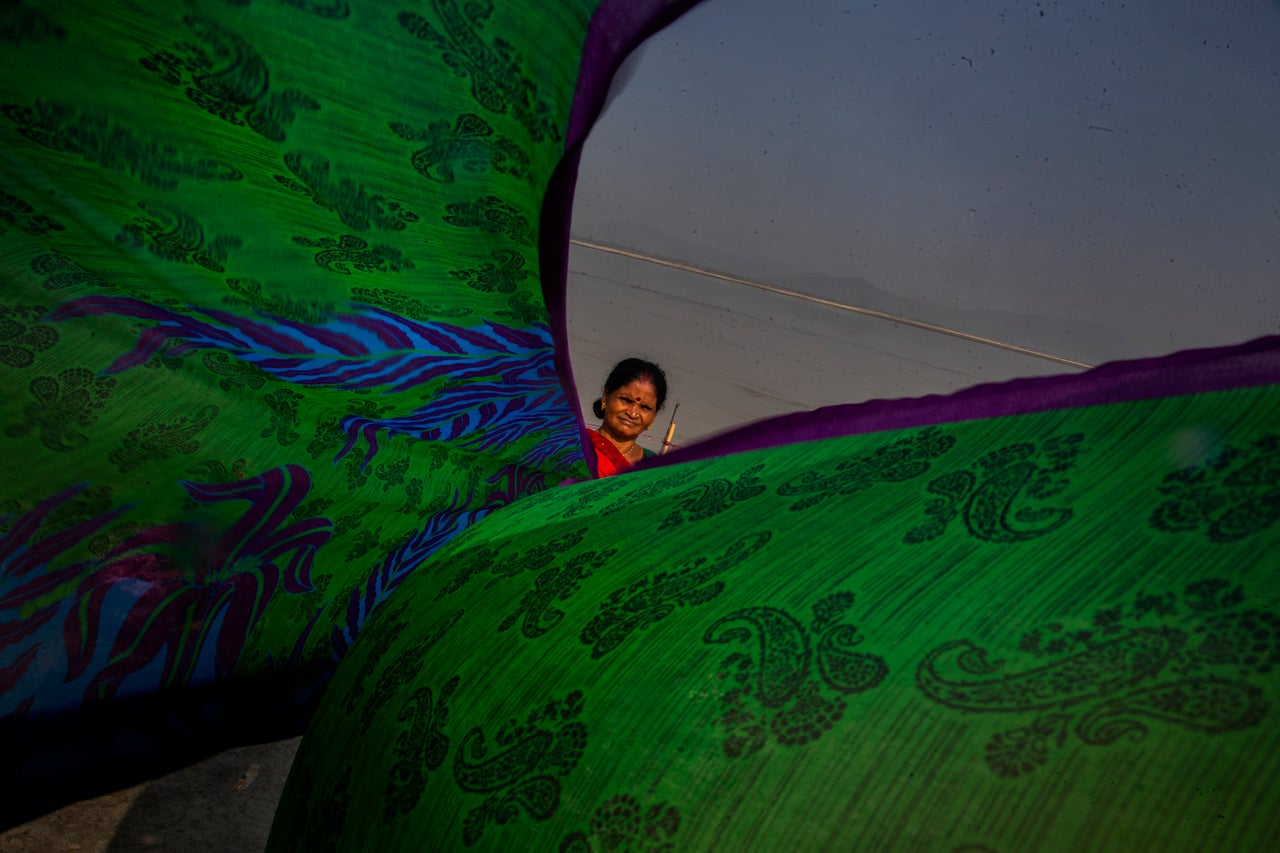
609, 459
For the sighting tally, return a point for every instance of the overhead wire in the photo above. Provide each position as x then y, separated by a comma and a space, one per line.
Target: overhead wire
831, 303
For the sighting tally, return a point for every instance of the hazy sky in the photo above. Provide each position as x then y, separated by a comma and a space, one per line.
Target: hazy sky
1114, 162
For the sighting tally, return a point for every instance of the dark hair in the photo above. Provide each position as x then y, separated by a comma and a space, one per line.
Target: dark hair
630, 370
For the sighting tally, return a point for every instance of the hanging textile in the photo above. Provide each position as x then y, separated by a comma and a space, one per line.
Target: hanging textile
286, 382
1055, 628
272, 331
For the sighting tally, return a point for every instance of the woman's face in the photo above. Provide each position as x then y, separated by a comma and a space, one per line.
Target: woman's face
630, 410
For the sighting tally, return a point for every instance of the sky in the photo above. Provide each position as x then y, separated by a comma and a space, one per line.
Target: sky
1097, 179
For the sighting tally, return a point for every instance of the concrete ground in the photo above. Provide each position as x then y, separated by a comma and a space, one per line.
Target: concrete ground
224, 804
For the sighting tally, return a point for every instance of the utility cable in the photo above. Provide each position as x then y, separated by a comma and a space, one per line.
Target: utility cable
866, 312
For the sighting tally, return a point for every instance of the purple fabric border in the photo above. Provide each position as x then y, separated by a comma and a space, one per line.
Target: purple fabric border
617, 27
1189, 372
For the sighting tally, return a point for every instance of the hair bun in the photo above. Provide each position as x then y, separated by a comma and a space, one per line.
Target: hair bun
597, 408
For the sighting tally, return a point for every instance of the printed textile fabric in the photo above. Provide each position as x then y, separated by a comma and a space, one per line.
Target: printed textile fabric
272, 330
1053, 630
285, 386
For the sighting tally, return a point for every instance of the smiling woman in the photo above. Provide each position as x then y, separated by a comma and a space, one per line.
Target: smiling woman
632, 395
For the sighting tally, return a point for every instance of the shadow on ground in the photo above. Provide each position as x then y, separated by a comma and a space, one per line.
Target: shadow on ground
225, 804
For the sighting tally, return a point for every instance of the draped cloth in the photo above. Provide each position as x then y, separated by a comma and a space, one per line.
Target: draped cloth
609, 459
285, 379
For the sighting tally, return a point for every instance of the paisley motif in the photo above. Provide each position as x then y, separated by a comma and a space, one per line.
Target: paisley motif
497, 82
652, 598
59, 273
402, 670
419, 749
1233, 496
1110, 683
406, 305
159, 439
1204, 705
234, 372
1098, 671
712, 497
250, 293
485, 559
632, 494
519, 772
283, 407
622, 823
22, 335
62, 406
221, 73
356, 206
174, 235
469, 146
536, 612
504, 275
98, 140
491, 215
523, 309
349, 253
21, 214
771, 691
904, 459
995, 501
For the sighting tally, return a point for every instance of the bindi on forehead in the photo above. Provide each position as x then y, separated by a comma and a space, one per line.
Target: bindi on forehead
640, 388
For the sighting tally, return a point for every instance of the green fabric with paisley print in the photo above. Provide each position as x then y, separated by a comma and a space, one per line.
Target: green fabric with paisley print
1048, 631
283, 396
271, 332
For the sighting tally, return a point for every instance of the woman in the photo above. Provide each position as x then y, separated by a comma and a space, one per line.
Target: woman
633, 394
